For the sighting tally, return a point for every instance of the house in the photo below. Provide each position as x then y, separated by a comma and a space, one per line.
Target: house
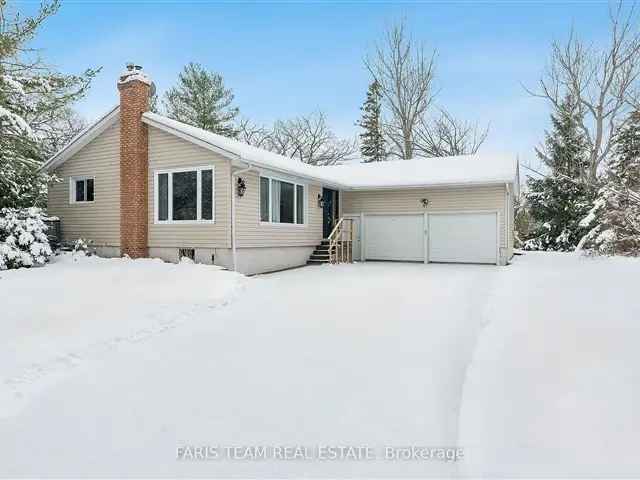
141, 184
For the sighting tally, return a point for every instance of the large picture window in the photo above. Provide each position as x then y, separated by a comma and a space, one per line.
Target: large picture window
184, 195
281, 201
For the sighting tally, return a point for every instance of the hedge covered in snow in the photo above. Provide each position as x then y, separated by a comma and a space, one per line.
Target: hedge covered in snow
23, 238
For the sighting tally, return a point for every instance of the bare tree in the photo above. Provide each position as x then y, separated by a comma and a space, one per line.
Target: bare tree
309, 139
445, 136
256, 135
306, 138
61, 129
405, 72
603, 80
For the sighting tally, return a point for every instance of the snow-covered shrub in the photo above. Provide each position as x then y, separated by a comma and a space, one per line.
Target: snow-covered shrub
23, 238
83, 245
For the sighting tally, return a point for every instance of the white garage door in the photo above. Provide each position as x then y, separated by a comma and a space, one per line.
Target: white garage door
394, 237
464, 237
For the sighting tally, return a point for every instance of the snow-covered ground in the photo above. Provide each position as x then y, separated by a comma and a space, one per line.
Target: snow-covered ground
554, 386
107, 367
58, 318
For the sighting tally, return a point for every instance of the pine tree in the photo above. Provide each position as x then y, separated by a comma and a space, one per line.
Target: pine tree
35, 115
201, 99
615, 216
566, 150
153, 103
558, 202
372, 144
557, 205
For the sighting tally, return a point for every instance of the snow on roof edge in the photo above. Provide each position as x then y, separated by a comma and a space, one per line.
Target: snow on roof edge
335, 175
461, 170
81, 139
239, 151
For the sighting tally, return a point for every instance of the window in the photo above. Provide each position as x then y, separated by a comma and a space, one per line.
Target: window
264, 199
189, 253
281, 201
184, 195
81, 189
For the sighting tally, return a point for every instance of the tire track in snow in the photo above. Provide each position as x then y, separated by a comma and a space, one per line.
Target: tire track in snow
483, 298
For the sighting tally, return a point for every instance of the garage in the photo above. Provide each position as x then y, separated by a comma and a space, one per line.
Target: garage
470, 237
464, 237
394, 237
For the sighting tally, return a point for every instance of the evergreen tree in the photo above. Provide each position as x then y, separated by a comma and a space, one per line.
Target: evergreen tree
615, 216
201, 99
153, 103
556, 206
558, 202
372, 144
35, 115
566, 150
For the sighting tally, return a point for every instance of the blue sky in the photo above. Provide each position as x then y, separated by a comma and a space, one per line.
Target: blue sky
290, 58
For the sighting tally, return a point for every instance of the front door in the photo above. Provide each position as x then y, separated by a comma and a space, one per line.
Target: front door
329, 211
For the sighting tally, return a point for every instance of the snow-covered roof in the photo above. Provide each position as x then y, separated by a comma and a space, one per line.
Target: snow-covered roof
419, 172
237, 150
475, 169
459, 170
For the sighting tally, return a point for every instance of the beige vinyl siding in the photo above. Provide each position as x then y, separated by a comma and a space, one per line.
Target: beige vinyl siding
440, 200
253, 233
98, 220
167, 151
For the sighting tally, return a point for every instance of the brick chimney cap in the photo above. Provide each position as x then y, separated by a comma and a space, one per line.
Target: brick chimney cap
134, 72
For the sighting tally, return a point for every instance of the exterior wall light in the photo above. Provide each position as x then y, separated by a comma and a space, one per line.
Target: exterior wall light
424, 202
241, 187
320, 201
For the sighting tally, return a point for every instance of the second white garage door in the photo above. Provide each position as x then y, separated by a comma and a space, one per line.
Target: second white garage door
394, 237
463, 237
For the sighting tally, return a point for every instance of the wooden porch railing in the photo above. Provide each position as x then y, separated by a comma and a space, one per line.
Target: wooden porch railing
341, 242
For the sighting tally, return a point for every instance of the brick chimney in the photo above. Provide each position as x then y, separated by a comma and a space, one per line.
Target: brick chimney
135, 87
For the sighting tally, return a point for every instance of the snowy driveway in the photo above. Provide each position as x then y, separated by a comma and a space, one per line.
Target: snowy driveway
372, 354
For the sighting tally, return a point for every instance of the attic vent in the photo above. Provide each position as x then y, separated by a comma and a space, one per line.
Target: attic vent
190, 253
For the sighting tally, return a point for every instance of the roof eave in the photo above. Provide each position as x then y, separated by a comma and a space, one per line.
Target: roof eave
235, 158
82, 139
190, 138
319, 180
431, 185
239, 160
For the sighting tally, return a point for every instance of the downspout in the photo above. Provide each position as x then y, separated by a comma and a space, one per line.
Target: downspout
507, 221
233, 212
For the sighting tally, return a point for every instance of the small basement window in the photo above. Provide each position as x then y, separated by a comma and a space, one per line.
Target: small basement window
81, 189
186, 252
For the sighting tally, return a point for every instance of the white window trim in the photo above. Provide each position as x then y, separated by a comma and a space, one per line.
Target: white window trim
305, 201
72, 189
170, 172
